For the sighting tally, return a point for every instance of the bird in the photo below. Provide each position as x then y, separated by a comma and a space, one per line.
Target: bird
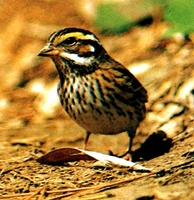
96, 91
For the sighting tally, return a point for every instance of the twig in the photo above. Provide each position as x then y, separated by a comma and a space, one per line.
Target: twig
79, 191
11, 196
167, 180
34, 194
91, 190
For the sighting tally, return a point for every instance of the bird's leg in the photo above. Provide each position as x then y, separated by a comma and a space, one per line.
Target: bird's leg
131, 136
86, 139
128, 152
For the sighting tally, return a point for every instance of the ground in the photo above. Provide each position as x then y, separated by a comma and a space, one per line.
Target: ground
33, 123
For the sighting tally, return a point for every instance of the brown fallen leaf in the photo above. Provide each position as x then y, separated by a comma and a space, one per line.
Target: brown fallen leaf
62, 155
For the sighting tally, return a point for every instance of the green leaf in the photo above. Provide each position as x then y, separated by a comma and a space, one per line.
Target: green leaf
109, 20
180, 16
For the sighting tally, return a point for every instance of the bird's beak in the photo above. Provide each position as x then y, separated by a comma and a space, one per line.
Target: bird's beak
49, 51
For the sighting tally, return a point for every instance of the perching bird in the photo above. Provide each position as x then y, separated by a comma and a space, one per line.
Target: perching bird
97, 92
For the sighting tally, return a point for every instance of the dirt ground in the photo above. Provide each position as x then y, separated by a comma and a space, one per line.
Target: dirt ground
33, 122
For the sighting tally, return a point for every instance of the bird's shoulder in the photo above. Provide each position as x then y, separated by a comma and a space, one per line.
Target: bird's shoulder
123, 79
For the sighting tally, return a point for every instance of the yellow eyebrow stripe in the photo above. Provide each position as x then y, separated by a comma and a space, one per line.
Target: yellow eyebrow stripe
77, 35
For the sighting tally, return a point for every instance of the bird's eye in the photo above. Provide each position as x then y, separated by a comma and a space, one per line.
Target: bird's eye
70, 41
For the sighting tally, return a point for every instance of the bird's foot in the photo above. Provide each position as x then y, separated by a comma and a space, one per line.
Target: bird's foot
126, 155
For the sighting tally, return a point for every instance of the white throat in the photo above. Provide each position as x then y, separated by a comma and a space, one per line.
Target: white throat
76, 58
